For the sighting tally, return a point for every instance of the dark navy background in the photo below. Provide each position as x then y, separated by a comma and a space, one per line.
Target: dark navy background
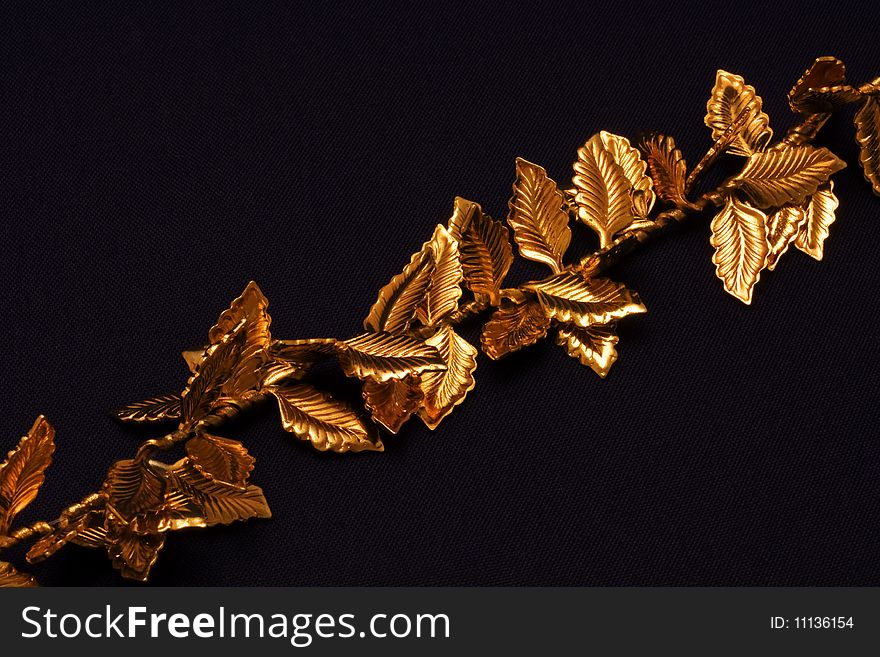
153, 160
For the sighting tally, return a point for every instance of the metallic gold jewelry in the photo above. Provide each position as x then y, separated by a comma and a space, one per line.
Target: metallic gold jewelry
410, 358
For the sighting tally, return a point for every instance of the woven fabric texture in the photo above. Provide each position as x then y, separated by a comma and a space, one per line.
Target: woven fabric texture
155, 160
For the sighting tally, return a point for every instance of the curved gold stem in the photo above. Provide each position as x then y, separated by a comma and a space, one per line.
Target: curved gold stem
243, 366
603, 259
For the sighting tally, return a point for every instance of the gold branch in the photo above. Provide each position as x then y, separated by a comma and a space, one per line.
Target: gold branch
411, 360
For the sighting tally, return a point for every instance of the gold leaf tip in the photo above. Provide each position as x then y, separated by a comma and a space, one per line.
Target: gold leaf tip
608, 171
253, 287
446, 390
733, 101
23, 472
739, 237
444, 290
538, 215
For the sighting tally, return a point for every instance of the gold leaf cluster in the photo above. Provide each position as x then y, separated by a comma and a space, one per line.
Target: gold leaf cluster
412, 359
613, 194
143, 499
21, 475
784, 194
612, 186
823, 89
731, 98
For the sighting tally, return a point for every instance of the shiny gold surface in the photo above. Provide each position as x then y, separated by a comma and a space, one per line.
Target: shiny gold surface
391, 403
21, 475
328, 424
816, 87
412, 360
595, 346
730, 98
569, 297
868, 136
819, 215
383, 356
514, 326
785, 175
484, 248
444, 290
739, 236
608, 173
396, 306
783, 226
446, 389
538, 216
23, 472
668, 169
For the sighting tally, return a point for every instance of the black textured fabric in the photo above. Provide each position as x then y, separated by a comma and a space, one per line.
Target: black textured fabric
155, 160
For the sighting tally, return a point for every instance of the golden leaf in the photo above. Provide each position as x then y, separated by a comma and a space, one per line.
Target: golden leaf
328, 424
396, 306
824, 72
204, 388
786, 175
572, 298
192, 357
23, 472
731, 96
383, 356
608, 169
216, 503
191, 499
484, 248
141, 500
12, 579
782, 227
278, 371
286, 359
133, 487
91, 535
868, 135
667, 167
176, 509
132, 554
819, 216
538, 215
251, 309
445, 390
639, 199
154, 409
822, 88
442, 295
304, 353
827, 99
86, 529
513, 327
220, 459
594, 346
463, 213
82, 523
630, 160
392, 402
739, 235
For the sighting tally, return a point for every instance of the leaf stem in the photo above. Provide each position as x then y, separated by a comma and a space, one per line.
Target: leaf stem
465, 312
44, 527
717, 149
603, 259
